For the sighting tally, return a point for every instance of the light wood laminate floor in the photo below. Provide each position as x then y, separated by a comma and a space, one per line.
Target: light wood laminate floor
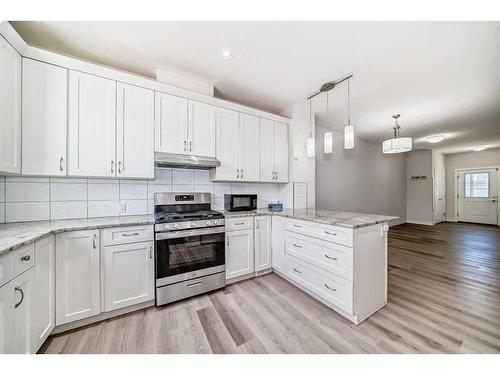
444, 297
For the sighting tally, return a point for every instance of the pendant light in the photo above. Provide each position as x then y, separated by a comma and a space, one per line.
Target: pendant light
397, 145
328, 136
310, 140
349, 129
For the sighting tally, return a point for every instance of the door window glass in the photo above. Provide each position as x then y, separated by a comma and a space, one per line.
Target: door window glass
477, 185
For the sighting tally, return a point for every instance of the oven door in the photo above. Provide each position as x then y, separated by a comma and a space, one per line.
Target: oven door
186, 254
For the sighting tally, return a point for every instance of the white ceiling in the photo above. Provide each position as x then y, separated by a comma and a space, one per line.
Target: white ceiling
443, 77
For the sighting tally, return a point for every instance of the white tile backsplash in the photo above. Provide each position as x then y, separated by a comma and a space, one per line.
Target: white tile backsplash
68, 210
103, 192
43, 198
68, 191
26, 211
26, 192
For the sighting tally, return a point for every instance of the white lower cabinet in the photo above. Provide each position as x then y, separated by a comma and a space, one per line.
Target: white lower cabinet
240, 258
128, 274
22, 289
77, 276
43, 312
278, 244
262, 243
6, 318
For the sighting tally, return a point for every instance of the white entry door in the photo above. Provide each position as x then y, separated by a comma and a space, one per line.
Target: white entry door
439, 195
478, 196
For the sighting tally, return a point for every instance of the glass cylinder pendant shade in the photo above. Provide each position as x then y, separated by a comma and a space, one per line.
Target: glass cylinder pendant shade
349, 137
328, 143
310, 147
397, 145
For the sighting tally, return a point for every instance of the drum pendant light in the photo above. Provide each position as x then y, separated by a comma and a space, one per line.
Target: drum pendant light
328, 136
397, 145
349, 129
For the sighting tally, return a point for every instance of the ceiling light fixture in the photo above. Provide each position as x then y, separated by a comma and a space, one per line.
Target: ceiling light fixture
328, 136
310, 140
479, 148
397, 145
435, 138
226, 54
349, 129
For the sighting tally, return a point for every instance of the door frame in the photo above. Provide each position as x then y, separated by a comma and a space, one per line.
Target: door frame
455, 188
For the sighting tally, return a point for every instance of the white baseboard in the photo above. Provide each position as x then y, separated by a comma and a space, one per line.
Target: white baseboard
418, 222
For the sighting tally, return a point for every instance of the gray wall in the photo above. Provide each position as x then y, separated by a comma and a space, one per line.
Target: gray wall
419, 193
362, 180
486, 158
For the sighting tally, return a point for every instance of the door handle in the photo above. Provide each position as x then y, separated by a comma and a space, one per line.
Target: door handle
333, 289
151, 252
22, 297
296, 270
242, 173
94, 242
237, 173
329, 257
185, 145
300, 247
119, 166
227, 240
194, 284
61, 164
190, 146
112, 166
331, 234
130, 234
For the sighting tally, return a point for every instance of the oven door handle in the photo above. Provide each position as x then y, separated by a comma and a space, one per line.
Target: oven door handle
189, 233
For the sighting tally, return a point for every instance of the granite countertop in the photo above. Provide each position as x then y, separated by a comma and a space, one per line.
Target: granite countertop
16, 235
344, 219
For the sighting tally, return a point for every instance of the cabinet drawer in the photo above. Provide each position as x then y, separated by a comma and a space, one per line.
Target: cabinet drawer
16, 262
124, 235
327, 255
333, 289
239, 223
330, 233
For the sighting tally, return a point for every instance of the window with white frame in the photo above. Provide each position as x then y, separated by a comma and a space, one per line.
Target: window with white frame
477, 185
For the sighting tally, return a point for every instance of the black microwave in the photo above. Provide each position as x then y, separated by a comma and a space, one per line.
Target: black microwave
240, 202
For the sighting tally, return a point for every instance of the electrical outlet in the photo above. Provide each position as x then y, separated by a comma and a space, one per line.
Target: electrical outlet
123, 208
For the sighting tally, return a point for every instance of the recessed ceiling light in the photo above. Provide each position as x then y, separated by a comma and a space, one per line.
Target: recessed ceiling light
226, 54
479, 148
434, 138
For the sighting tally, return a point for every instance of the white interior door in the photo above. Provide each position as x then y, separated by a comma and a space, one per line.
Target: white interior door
478, 196
439, 195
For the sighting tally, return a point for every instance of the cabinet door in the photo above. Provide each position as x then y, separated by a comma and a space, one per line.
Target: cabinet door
227, 145
10, 108
239, 253
249, 146
262, 243
135, 131
128, 274
281, 151
45, 93
77, 276
267, 171
201, 131
43, 313
23, 287
278, 244
6, 318
171, 123
92, 126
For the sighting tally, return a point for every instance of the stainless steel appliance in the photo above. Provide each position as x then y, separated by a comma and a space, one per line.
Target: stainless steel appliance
240, 202
189, 246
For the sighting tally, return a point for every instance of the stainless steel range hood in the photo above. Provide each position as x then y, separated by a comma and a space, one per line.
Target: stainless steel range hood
163, 159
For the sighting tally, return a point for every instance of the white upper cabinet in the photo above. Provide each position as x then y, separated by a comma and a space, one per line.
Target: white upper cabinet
249, 148
267, 171
227, 146
273, 151
92, 126
170, 123
135, 132
10, 108
201, 129
281, 151
44, 120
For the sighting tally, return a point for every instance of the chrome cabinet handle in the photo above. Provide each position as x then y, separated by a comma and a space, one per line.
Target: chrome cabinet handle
194, 284
112, 166
119, 166
190, 146
26, 258
326, 285
240, 223
185, 145
294, 244
331, 234
329, 257
227, 240
242, 173
130, 234
297, 226
61, 164
237, 173
277, 176
94, 242
296, 270
151, 252
22, 297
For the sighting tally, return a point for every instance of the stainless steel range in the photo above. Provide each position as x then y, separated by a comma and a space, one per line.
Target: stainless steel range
189, 246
